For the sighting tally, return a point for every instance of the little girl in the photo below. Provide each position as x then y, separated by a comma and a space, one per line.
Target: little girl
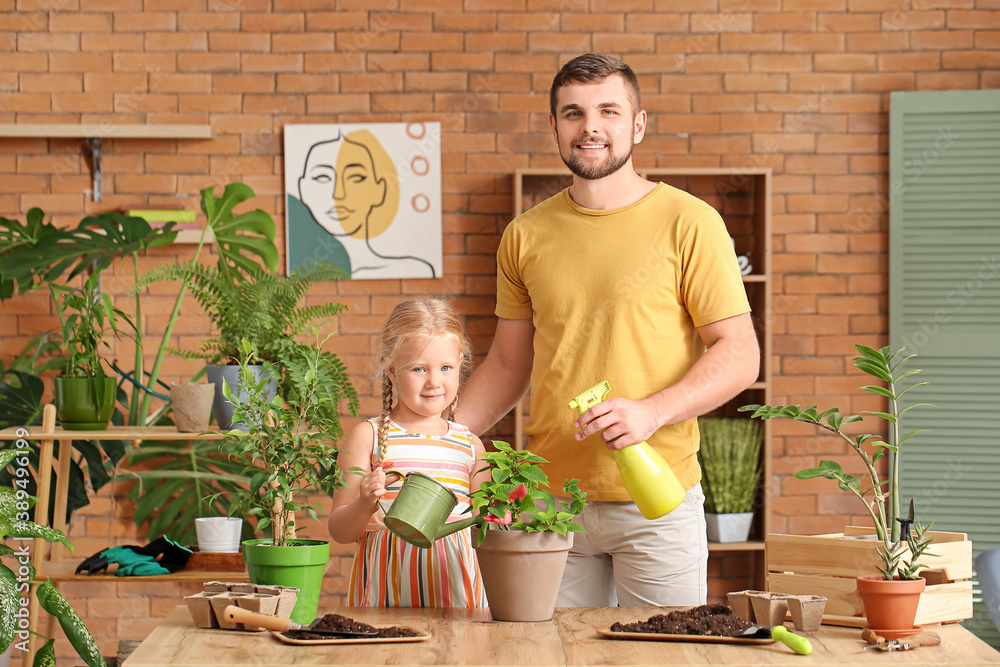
422, 356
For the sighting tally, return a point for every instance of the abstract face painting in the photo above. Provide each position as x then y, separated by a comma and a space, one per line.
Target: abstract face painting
365, 197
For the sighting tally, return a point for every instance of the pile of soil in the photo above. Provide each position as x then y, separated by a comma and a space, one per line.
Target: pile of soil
711, 620
336, 622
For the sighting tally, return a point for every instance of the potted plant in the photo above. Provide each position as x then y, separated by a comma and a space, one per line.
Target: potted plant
84, 394
899, 567
525, 536
729, 455
288, 450
14, 506
257, 305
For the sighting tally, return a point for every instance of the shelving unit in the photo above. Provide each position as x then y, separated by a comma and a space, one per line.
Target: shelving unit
48, 558
96, 133
743, 198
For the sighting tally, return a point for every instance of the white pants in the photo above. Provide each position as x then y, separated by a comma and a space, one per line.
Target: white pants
627, 560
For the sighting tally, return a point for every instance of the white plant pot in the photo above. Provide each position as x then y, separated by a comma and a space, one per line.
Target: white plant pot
728, 527
5, 656
218, 534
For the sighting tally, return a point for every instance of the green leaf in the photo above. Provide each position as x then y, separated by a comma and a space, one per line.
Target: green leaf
881, 391
884, 415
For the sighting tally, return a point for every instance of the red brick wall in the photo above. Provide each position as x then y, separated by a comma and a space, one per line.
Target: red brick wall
801, 86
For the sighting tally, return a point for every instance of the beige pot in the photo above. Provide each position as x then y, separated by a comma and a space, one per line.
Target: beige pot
192, 406
521, 572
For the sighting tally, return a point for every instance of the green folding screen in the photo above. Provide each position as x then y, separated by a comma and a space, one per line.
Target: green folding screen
944, 305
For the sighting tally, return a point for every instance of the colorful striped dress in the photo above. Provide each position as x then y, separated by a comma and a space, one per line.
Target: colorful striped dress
389, 572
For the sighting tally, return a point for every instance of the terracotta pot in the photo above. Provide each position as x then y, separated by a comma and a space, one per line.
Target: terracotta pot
890, 605
522, 572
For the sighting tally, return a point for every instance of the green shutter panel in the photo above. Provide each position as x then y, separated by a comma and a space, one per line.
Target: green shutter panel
944, 305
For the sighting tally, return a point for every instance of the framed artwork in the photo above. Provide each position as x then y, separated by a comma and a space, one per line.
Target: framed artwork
365, 196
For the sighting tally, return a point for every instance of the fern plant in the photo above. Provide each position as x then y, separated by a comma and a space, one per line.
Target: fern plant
258, 305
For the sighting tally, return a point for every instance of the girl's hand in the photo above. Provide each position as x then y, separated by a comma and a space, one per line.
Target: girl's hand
373, 486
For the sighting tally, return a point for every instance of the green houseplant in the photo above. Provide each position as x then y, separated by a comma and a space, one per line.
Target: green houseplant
288, 451
899, 555
525, 536
14, 505
257, 305
729, 455
84, 393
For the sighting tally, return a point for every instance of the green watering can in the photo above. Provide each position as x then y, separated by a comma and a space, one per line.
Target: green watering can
419, 514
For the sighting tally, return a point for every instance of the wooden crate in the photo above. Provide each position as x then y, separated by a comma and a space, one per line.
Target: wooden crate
827, 565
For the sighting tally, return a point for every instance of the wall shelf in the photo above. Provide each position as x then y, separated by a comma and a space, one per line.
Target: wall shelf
105, 131
96, 133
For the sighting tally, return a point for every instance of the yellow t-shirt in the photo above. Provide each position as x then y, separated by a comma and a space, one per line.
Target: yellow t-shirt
615, 295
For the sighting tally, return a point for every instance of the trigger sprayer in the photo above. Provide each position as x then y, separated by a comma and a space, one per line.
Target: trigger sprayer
647, 478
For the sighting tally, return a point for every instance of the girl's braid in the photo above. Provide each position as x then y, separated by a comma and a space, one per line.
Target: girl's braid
383, 427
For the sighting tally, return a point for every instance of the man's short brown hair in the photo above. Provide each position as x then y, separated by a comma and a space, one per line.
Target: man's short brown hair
595, 68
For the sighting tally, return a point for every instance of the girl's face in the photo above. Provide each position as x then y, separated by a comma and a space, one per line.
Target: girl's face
426, 376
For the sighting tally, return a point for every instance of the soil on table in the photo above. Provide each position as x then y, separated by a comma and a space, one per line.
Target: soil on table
710, 620
338, 623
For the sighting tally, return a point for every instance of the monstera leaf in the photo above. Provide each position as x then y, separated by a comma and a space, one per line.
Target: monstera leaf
172, 494
39, 253
238, 237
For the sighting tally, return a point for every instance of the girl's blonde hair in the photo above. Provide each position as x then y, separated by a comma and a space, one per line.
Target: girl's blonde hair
423, 317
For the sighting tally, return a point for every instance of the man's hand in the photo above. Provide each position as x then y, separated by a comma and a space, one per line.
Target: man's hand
622, 422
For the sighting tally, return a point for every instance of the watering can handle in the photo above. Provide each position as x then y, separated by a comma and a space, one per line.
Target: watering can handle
379, 500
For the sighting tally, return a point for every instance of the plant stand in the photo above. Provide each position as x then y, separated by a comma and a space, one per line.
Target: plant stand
828, 565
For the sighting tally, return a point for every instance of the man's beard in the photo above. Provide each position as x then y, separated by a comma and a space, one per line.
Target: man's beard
590, 171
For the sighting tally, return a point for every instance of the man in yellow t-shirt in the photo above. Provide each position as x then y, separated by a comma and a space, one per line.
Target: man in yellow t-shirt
617, 278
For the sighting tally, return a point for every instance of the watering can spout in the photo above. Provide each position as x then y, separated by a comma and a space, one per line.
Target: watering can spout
455, 526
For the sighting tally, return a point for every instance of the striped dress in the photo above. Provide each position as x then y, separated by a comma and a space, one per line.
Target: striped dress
389, 572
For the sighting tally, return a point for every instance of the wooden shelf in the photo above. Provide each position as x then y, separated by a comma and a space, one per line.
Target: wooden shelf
753, 545
111, 433
85, 131
65, 571
96, 133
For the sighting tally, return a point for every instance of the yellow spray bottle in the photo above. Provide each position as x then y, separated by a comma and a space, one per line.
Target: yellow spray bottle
647, 478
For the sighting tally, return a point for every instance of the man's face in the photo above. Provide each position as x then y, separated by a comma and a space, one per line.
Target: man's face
340, 187
594, 127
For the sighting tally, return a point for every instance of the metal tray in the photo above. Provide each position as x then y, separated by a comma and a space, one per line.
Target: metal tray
713, 639
421, 636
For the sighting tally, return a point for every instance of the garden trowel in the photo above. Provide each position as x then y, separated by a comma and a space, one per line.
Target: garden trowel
780, 633
282, 624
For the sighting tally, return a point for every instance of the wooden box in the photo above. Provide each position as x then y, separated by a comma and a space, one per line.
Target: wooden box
828, 565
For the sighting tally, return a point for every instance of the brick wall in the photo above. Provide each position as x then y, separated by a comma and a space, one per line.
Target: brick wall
801, 86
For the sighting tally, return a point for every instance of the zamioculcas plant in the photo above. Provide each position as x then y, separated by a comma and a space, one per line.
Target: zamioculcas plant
879, 496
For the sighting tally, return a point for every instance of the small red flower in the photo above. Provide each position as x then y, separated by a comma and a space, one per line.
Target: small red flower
385, 465
517, 493
507, 519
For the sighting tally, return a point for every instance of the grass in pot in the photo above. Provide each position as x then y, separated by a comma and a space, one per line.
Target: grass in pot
729, 455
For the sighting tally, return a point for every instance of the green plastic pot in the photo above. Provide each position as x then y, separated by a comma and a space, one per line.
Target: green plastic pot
84, 404
300, 565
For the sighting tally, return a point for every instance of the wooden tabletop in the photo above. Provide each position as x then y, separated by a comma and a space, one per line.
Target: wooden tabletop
461, 637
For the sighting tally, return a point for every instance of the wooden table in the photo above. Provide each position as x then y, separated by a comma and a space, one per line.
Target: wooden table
463, 637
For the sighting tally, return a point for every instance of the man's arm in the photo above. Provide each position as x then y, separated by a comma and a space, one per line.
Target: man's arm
502, 379
730, 365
